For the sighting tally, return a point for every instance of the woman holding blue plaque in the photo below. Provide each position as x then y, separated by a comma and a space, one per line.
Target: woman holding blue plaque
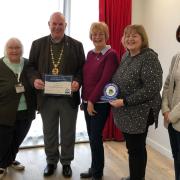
139, 78
100, 65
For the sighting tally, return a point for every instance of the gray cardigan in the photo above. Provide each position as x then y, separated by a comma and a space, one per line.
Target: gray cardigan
139, 79
168, 96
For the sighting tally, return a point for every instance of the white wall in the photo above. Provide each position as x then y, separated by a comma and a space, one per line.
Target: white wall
160, 19
26, 20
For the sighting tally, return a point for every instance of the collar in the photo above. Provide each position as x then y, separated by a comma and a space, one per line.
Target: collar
57, 41
104, 50
8, 62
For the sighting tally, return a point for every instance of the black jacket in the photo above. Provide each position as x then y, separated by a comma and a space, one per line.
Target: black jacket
40, 59
9, 99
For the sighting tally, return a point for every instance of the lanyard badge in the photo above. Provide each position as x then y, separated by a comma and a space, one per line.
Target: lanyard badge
19, 86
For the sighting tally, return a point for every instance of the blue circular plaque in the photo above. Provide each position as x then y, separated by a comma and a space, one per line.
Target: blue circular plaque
110, 92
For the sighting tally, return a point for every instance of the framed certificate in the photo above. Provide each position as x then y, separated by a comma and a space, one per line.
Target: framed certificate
58, 85
110, 92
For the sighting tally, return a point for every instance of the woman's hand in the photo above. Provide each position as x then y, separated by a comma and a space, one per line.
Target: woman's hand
166, 117
90, 108
117, 103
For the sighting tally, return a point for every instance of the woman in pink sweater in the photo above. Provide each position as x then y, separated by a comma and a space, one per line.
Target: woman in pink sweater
100, 65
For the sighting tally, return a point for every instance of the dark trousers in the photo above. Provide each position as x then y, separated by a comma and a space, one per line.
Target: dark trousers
174, 137
136, 145
11, 138
95, 125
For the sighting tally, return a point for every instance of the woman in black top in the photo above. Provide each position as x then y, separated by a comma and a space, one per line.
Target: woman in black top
17, 105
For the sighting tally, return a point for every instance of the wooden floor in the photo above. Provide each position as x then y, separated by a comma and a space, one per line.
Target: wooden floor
116, 165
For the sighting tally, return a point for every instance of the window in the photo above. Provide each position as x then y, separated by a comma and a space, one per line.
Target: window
28, 20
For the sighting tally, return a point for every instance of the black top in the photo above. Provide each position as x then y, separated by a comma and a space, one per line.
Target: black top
40, 64
9, 99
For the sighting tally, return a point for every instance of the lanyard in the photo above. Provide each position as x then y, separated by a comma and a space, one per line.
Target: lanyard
18, 75
19, 70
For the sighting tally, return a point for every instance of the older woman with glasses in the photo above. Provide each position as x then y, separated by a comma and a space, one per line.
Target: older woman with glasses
17, 105
99, 67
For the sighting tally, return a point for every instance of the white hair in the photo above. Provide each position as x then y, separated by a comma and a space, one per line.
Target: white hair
10, 40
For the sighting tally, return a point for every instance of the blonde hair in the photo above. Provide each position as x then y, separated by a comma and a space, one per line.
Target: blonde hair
99, 26
139, 29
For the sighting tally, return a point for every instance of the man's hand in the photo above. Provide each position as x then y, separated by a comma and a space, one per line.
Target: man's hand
39, 84
75, 86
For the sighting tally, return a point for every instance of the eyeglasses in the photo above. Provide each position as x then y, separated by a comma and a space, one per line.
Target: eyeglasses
14, 47
98, 34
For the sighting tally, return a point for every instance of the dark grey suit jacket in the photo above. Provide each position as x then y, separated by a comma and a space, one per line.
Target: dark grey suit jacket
40, 59
139, 79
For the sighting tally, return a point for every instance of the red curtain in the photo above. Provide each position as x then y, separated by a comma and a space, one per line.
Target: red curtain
117, 15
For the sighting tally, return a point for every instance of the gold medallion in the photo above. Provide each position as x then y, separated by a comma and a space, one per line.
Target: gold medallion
55, 71
56, 63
